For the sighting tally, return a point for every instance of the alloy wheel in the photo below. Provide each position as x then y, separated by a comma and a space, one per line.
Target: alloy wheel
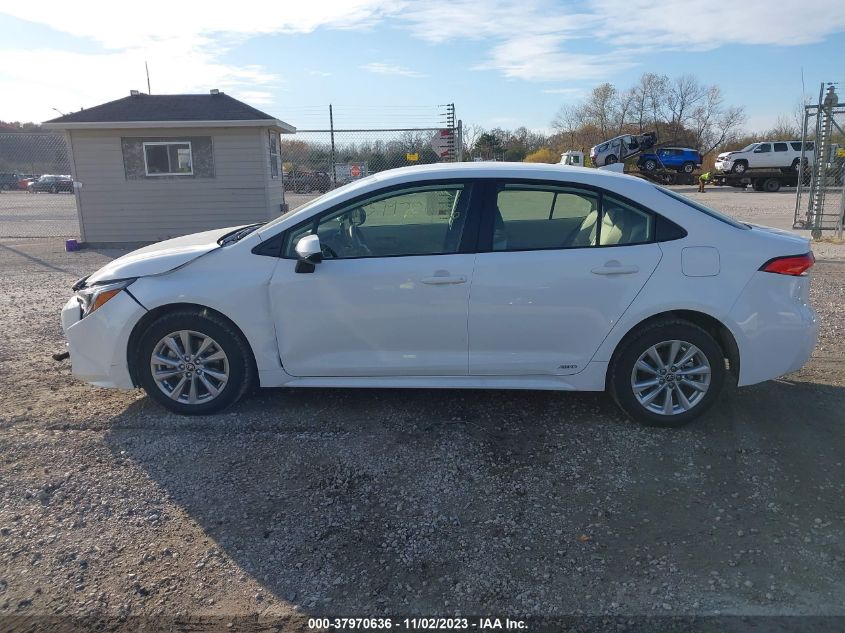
671, 377
189, 367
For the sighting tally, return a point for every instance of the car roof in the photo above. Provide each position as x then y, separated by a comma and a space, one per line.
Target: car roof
496, 169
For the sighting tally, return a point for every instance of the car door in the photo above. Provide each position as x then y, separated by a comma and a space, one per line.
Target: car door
391, 294
781, 156
557, 267
763, 156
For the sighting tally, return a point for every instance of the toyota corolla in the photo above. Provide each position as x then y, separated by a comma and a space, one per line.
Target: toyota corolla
471, 276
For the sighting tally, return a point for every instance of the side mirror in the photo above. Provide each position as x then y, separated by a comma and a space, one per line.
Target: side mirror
309, 252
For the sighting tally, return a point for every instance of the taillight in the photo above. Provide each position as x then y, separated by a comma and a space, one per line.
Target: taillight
794, 265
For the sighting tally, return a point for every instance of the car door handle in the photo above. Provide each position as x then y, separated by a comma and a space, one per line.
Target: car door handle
613, 267
442, 280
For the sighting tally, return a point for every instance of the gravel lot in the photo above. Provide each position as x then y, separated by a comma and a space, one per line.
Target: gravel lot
377, 502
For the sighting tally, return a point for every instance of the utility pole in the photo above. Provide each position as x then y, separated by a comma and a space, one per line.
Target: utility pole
331, 131
147, 68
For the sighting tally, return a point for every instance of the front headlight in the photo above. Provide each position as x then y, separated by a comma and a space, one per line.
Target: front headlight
95, 297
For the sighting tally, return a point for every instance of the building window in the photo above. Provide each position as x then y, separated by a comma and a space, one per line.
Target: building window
168, 159
274, 155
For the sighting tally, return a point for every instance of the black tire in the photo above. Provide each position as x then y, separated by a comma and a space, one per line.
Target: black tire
796, 165
611, 159
649, 165
6, 187
739, 167
53, 189
633, 346
242, 371
688, 168
771, 185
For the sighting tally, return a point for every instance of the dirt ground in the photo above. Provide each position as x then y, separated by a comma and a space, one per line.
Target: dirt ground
330, 502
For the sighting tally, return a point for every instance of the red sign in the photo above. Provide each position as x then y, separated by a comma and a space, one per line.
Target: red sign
355, 171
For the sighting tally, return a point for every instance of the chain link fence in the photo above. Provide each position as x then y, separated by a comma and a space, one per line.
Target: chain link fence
36, 189
317, 160
820, 203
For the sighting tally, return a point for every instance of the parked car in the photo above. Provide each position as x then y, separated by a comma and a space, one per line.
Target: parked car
682, 159
307, 182
785, 155
621, 147
51, 184
24, 180
9, 180
581, 280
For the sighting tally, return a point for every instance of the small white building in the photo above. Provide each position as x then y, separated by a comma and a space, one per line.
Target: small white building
151, 167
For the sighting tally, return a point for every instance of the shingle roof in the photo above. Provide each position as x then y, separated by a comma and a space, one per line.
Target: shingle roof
144, 107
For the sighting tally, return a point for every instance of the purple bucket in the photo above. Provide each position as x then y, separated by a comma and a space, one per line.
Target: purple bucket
71, 245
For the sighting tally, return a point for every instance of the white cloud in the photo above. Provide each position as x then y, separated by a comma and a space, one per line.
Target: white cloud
186, 42
572, 92
381, 68
183, 42
706, 26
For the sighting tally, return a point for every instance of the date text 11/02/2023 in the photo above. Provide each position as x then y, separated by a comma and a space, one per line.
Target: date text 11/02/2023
417, 624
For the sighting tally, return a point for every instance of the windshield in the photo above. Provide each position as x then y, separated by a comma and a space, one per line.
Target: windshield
747, 148
319, 199
700, 207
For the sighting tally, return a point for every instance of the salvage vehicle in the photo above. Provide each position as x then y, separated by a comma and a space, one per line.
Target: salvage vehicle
580, 280
783, 155
621, 147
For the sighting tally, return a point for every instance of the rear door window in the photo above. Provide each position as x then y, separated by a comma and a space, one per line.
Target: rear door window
529, 217
781, 147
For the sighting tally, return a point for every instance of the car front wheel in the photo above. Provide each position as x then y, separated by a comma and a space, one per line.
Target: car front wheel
194, 363
739, 167
667, 374
688, 168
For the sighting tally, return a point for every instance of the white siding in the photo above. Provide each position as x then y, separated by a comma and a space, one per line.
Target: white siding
114, 209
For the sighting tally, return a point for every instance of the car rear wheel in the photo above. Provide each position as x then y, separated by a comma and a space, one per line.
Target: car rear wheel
739, 167
610, 160
650, 165
667, 374
194, 363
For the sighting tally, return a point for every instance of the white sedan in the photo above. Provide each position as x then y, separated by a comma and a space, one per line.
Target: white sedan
470, 276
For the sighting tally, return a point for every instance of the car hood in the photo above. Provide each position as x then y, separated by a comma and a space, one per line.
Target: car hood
161, 257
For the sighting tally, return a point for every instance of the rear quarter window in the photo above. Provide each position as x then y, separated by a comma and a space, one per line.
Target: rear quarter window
703, 209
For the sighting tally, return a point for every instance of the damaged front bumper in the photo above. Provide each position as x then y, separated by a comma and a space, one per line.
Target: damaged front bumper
98, 343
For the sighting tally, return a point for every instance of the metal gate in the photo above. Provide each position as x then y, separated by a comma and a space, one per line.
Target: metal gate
820, 205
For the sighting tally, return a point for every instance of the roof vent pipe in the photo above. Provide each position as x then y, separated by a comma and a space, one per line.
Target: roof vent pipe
215, 91
134, 93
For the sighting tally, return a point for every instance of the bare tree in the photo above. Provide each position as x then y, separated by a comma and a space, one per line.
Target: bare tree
648, 100
568, 121
600, 105
683, 95
471, 133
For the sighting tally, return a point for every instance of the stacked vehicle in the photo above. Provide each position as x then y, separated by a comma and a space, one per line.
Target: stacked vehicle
766, 166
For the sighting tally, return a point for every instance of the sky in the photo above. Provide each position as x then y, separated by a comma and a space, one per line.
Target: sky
391, 63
